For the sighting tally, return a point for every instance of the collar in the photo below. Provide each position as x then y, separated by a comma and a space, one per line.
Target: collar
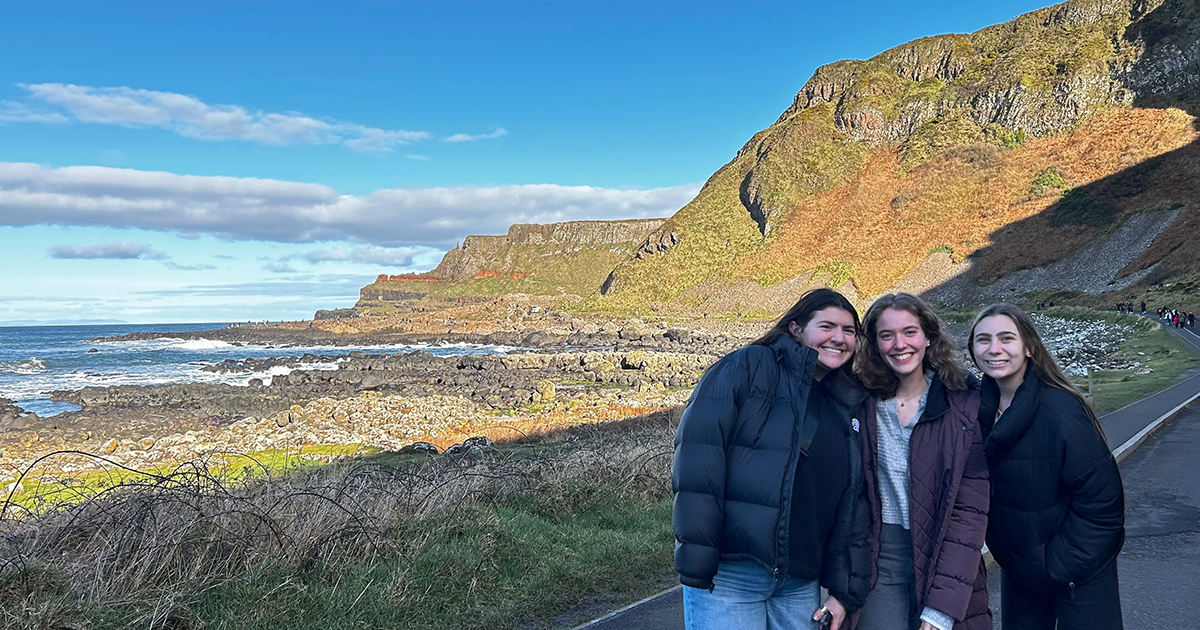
801, 361
1003, 435
937, 401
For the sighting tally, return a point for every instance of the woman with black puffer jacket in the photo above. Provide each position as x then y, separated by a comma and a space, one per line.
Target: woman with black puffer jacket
769, 501
1057, 519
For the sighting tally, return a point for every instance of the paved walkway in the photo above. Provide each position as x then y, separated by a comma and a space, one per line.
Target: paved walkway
1127, 429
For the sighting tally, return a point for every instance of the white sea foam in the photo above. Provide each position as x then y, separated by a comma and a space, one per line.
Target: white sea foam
140, 363
32, 366
172, 343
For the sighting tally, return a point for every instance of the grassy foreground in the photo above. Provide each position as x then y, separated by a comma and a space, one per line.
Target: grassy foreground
510, 537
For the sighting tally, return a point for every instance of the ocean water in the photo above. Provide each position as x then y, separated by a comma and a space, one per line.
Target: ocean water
35, 360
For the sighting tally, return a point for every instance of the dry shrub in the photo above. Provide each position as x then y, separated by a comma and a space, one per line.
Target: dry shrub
165, 538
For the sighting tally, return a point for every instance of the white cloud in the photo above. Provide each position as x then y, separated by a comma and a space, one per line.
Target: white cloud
190, 117
466, 137
366, 254
279, 267
16, 112
419, 158
116, 251
294, 212
197, 267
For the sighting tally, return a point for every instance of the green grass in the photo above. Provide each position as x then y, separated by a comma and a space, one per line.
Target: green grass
492, 569
43, 491
1159, 349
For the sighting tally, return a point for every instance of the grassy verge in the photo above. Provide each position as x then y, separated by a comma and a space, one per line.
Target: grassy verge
516, 536
1154, 347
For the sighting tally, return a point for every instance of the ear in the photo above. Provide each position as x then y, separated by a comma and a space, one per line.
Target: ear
795, 330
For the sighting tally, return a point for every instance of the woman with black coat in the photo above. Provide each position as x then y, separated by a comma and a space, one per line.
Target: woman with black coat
769, 502
1057, 519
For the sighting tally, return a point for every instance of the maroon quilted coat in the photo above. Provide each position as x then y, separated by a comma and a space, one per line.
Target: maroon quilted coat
948, 504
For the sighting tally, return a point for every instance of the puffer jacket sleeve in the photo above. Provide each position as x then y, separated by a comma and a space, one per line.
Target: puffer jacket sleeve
1094, 529
958, 563
846, 570
699, 469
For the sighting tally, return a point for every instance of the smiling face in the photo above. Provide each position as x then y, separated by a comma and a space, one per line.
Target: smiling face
998, 348
901, 341
831, 333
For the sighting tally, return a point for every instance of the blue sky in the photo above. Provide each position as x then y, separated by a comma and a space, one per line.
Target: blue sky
227, 161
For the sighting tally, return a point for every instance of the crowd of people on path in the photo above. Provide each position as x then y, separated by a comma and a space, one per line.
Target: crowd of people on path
1177, 318
862, 458
1173, 317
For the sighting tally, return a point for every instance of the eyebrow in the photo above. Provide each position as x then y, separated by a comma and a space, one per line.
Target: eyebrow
999, 334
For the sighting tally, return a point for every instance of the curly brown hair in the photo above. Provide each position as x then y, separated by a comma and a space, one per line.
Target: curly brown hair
940, 356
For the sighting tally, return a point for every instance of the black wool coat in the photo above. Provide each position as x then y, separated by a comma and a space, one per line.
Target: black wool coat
1058, 508
736, 452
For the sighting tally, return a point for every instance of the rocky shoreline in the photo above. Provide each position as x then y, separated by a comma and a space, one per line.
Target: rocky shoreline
389, 401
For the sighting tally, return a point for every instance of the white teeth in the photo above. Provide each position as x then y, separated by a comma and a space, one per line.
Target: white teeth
832, 350
903, 357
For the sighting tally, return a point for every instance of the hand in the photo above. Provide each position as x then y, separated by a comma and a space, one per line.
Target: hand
835, 609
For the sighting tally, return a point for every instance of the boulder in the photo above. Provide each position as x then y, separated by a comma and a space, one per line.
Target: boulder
110, 446
546, 389
635, 330
420, 447
538, 339
478, 442
679, 335
470, 445
370, 382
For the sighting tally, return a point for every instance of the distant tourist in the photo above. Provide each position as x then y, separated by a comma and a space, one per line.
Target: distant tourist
1143, 307
929, 498
1057, 518
1191, 320
768, 479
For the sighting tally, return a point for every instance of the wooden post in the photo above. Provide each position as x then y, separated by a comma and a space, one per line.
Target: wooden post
1091, 394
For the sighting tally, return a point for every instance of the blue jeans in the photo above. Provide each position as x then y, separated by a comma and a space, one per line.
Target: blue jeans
746, 597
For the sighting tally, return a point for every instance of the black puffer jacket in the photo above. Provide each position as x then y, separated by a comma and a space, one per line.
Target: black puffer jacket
1058, 509
735, 460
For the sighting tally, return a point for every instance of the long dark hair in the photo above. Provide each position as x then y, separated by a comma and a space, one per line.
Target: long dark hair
1039, 357
940, 356
802, 312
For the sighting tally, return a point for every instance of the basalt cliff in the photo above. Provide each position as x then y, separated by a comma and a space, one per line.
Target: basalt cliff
1057, 151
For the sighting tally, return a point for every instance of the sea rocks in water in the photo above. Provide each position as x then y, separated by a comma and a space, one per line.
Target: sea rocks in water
93, 350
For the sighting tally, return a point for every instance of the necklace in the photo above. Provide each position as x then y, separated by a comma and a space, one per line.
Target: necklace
910, 398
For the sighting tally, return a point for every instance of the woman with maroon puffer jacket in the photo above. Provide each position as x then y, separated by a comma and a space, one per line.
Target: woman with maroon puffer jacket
926, 474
